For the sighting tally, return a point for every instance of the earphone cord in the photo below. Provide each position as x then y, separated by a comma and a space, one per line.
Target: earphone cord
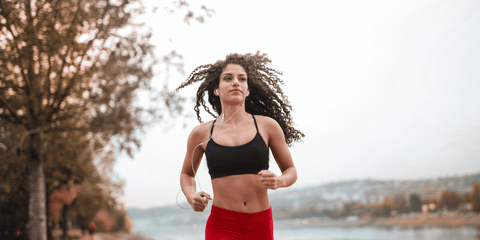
193, 169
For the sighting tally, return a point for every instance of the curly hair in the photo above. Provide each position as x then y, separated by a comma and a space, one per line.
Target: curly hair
266, 97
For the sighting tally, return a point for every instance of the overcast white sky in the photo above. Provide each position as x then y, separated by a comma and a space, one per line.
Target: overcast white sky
382, 89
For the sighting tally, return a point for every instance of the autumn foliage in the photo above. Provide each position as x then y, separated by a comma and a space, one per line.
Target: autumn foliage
450, 199
70, 74
59, 198
475, 197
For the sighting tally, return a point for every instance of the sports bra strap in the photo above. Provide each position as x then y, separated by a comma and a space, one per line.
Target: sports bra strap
255, 122
211, 130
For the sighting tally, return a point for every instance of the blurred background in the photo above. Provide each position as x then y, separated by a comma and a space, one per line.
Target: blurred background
386, 93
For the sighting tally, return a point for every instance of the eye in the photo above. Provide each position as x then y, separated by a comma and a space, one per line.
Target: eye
227, 78
243, 79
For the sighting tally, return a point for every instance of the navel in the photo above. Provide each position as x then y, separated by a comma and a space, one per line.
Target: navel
244, 202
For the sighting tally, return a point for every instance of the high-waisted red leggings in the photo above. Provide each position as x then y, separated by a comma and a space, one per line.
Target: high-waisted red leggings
223, 224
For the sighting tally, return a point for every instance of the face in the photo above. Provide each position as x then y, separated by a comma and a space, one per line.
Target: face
233, 83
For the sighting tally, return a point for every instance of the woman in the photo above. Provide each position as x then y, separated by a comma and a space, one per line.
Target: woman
253, 117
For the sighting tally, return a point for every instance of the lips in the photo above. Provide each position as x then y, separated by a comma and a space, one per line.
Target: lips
235, 90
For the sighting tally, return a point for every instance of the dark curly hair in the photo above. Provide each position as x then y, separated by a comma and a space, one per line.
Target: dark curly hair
266, 97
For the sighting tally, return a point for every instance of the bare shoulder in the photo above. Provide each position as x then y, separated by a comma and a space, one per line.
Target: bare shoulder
275, 136
201, 131
199, 134
267, 122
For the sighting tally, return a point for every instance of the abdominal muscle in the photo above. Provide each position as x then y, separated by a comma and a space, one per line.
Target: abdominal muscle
241, 193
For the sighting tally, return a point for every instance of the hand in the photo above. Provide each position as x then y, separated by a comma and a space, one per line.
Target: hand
199, 201
270, 180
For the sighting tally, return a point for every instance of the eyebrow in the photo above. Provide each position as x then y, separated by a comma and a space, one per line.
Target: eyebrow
241, 74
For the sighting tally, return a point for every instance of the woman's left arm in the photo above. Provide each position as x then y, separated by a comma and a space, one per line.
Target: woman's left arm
276, 140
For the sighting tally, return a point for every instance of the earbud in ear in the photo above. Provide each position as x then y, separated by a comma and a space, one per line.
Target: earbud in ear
248, 93
217, 92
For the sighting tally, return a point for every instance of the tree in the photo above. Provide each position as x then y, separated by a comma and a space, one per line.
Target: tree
465, 197
98, 192
73, 66
388, 206
415, 203
383, 209
60, 174
449, 199
475, 197
13, 185
400, 203
59, 200
75, 159
347, 209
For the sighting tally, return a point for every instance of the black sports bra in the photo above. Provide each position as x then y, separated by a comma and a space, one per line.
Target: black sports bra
249, 158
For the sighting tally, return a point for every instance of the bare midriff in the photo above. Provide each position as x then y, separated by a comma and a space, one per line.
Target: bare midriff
241, 193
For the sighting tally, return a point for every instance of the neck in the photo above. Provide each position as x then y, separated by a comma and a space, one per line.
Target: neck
232, 113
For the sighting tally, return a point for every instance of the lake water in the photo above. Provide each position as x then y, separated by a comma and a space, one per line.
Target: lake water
151, 227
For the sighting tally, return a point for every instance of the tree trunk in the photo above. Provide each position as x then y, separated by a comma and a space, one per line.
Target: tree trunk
37, 217
64, 222
50, 223
37, 225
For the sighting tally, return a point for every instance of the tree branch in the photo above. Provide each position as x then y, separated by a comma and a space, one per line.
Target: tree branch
59, 96
55, 109
12, 112
36, 94
11, 84
28, 83
64, 129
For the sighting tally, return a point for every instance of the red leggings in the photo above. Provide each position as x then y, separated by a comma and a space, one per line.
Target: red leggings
223, 224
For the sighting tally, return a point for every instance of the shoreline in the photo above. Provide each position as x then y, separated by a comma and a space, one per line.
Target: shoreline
75, 234
430, 220
405, 221
121, 236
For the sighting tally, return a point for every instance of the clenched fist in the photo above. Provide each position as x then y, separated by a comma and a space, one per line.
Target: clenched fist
199, 201
270, 180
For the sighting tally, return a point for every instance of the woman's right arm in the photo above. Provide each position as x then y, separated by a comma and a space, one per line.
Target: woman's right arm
198, 201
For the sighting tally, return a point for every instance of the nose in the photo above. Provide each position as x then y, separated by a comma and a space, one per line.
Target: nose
236, 81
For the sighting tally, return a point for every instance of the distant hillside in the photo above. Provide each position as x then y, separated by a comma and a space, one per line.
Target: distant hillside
333, 195
326, 196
